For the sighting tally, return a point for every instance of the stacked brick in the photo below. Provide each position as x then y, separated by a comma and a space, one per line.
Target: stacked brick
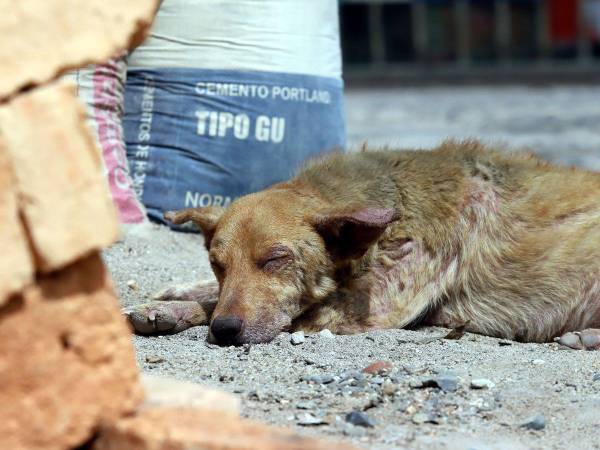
67, 368
66, 359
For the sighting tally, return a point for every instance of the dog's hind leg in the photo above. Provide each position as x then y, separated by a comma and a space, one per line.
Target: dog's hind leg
175, 309
581, 340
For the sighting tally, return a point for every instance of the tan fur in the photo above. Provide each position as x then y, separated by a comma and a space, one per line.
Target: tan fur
502, 242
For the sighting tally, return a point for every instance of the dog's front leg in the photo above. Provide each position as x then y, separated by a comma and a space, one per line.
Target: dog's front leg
175, 309
204, 291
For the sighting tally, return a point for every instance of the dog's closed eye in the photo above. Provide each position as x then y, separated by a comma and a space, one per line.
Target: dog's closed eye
278, 257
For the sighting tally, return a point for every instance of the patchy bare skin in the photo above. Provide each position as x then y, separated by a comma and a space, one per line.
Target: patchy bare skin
505, 244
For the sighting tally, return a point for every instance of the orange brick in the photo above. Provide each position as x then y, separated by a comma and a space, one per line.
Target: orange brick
16, 271
193, 429
66, 360
63, 195
42, 39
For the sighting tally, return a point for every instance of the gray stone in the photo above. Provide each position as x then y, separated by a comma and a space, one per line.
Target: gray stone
326, 379
535, 423
297, 338
354, 431
481, 383
360, 419
351, 375
306, 405
325, 334
155, 359
389, 388
318, 379
419, 418
596, 377
377, 380
445, 382
403, 405
308, 419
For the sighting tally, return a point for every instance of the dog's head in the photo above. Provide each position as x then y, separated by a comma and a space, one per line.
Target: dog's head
274, 257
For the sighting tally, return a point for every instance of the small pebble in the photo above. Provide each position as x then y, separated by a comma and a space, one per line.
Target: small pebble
306, 405
420, 418
297, 338
351, 375
538, 362
408, 369
307, 419
155, 359
596, 377
481, 383
389, 388
319, 379
360, 419
404, 405
535, 423
354, 431
326, 379
325, 334
379, 367
377, 380
255, 395
132, 284
447, 383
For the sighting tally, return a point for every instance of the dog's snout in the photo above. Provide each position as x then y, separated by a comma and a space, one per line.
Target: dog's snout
226, 328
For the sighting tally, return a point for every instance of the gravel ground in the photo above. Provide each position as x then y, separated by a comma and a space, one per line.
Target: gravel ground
425, 400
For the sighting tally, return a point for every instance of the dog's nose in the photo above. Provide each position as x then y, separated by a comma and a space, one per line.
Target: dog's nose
226, 328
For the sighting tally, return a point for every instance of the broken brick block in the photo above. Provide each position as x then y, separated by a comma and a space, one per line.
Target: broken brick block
163, 428
43, 39
163, 391
66, 360
63, 196
16, 266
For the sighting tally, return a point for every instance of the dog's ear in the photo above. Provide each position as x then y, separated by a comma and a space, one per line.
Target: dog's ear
349, 234
206, 219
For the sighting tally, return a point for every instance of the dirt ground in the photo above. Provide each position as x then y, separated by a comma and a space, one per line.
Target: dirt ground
427, 399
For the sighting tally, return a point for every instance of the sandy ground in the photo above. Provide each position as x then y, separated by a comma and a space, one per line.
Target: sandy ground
314, 385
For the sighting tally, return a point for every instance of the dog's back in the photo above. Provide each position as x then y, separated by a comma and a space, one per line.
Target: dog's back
521, 236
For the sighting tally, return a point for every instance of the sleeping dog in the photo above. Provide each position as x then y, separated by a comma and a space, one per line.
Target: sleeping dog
503, 244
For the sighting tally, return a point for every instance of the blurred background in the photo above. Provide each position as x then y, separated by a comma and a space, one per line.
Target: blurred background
522, 72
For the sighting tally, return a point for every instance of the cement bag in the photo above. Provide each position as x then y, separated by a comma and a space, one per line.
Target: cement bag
230, 96
101, 88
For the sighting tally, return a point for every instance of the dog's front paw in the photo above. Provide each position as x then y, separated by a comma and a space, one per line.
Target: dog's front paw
161, 317
581, 340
